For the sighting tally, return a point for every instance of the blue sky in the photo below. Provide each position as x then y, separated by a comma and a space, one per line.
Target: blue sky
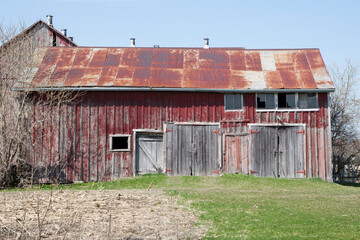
333, 26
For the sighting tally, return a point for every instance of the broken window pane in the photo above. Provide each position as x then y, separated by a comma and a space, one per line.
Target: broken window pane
261, 99
290, 100
286, 100
265, 100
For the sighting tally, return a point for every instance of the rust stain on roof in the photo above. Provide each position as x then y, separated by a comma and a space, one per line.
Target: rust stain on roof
182, 68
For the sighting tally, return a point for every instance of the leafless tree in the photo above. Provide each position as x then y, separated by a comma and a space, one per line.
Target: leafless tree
20, 131
345, 118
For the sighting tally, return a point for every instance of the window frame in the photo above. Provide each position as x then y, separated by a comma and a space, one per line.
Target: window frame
288, 109
111, 136
233, 110
275, 101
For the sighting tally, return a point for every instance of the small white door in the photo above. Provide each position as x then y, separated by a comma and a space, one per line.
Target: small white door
149, 154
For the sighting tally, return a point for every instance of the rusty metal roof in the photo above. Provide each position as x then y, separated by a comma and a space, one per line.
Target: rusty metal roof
216, 68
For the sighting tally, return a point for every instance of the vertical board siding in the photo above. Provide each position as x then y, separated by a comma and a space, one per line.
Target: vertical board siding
74, 144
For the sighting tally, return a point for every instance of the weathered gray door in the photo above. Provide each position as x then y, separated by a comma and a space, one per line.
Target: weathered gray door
192, 150
149, 154
277, 151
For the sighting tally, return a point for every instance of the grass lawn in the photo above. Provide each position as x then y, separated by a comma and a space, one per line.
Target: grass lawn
245, 207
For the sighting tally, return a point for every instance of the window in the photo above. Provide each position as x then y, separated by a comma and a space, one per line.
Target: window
119, 143
265, 100
307, 100
286, 101
233, 101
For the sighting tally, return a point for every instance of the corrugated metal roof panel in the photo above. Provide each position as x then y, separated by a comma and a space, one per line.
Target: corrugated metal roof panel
182, 68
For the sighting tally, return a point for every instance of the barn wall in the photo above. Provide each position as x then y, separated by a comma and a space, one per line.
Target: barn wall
43, 36
318, 135
73, 143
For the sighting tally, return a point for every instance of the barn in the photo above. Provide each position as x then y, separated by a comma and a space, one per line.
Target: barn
44, 34
184, 111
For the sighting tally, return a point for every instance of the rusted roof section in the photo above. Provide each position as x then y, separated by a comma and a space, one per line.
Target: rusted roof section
182, 68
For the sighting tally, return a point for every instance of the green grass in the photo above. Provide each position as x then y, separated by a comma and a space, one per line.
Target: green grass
242, 206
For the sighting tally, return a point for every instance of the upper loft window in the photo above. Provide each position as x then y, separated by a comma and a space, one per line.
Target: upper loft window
265, 101
233, 101
286, 101
307, 100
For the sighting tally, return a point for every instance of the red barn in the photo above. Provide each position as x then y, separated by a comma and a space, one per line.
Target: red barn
186, 111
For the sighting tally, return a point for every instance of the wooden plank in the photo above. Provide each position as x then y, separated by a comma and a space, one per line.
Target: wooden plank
190, 149
78, 143
256, 151
103, 173
283, 153
213, 150
93, 138
71, 141
170, 155
46, 161
110, 125
86, 140
62, 170
300, 163
271, 155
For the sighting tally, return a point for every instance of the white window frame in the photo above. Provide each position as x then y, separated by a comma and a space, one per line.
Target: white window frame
234, 110
297, 109
111, 136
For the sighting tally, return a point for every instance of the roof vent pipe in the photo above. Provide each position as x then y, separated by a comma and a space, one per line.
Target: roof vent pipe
64, 31
206, 43
71, 38
49, 19
132, 42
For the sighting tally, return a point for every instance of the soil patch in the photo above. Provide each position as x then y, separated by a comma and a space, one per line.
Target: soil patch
98, 214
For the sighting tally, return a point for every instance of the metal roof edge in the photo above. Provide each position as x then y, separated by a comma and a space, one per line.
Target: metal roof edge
39, 89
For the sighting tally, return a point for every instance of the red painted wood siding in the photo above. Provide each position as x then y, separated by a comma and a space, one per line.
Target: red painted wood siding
75, 145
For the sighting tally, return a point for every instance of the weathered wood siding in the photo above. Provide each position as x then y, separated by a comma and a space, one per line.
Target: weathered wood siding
74, 143
192, 150
43, 36
277, 151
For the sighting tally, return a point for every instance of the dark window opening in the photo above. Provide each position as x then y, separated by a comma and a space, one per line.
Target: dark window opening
265, 100
233, 102
119, 143
286, 100
54, 39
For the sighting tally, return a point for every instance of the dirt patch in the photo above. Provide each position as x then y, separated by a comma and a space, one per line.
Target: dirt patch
124, 214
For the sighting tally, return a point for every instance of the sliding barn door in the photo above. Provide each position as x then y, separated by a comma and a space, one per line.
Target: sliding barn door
277, 151
192, 150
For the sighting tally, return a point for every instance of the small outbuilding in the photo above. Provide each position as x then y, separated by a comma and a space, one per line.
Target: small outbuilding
185, 111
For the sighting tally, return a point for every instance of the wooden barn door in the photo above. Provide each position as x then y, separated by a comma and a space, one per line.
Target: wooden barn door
291, 152
277, 151
192, 150
236, 153
149, 154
